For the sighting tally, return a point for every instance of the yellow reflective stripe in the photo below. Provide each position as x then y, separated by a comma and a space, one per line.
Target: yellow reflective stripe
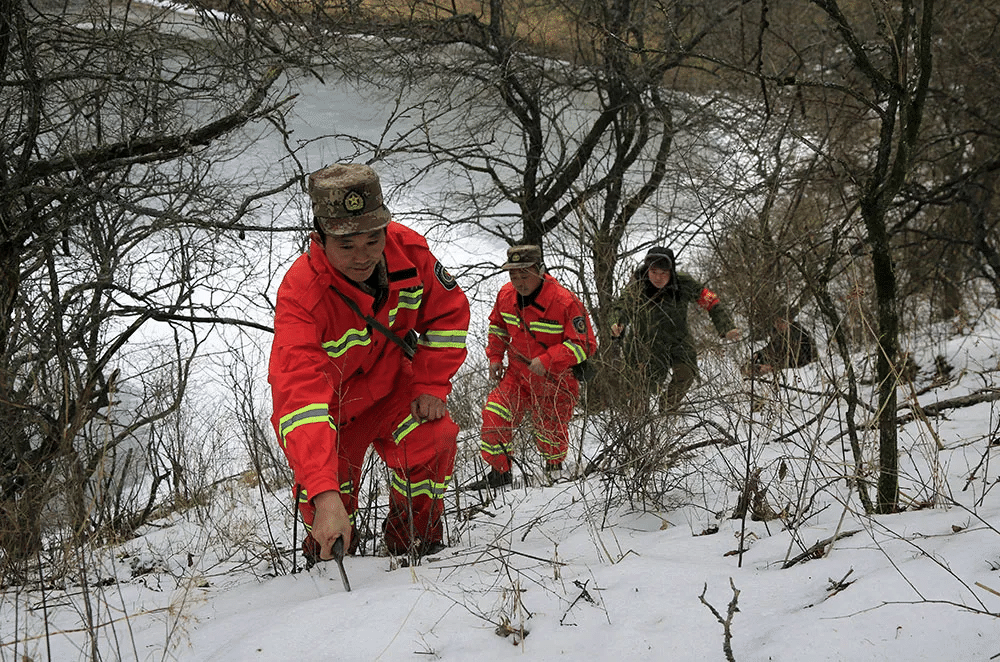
498, 331
438, 338
511, 318
545, 440
411, 298
576, 349
345, 488
408, 425
493, 449
314, 413
553, 456
353, 338
427, 488
500, 411
545, 327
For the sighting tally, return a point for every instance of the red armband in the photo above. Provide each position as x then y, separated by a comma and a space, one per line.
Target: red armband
708, 299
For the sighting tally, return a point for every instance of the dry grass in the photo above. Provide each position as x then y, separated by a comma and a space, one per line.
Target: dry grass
542, 27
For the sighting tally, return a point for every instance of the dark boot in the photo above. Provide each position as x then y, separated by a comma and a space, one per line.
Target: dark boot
419, 549
553, 467
494, 479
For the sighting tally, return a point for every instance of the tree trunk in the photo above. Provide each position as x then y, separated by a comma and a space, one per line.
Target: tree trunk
888, 350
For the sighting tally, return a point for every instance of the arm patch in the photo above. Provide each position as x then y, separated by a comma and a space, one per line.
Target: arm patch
708, 299
579, 324
447, 281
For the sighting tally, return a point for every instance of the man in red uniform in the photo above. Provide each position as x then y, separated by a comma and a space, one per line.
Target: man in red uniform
369, 329
544, 331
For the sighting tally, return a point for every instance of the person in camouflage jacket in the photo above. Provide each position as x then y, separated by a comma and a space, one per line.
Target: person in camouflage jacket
651, 320
789, 346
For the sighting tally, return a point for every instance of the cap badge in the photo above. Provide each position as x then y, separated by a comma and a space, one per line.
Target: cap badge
354, 202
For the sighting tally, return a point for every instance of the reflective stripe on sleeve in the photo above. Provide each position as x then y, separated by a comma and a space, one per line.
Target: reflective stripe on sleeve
498, 331
408, 425
576, 349
511, 319
443, 338
314, 413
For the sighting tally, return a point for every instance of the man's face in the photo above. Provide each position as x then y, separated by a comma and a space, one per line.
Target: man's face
659, 277
525, 281
356, 255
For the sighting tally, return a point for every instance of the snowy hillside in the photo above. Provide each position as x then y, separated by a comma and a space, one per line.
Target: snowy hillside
580, 570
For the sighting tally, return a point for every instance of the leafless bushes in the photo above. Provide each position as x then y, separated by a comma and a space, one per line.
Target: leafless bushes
124, 228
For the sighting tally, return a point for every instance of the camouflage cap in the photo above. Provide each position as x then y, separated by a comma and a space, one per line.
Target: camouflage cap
347, 199
522, 257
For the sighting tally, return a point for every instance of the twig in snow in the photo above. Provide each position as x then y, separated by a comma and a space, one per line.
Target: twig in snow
817, 550
583, 594
727, 622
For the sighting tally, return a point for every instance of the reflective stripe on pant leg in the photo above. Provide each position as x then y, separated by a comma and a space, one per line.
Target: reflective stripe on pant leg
494, 443
422, 465
503, 411
550, 416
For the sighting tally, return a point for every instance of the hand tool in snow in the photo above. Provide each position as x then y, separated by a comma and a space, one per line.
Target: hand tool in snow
338, 556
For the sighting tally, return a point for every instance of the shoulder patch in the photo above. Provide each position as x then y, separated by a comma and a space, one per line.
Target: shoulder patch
579, 324
446, 279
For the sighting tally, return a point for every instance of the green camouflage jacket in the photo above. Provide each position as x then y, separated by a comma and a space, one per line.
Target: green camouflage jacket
656, 321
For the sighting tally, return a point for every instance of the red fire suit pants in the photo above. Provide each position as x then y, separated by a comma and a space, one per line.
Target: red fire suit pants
421, 456
550, 404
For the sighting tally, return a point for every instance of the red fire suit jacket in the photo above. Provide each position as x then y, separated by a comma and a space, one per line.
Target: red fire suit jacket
558, 330
327, 367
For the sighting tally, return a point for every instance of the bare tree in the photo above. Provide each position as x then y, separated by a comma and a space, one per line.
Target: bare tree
950, 230
904, 156
537, 117
869, 75
124, 225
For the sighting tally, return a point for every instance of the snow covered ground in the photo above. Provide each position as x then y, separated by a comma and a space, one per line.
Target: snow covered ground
575, 570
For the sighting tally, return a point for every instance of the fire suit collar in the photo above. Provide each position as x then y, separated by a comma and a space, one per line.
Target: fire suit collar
402, 272
540, 298
524, 302
394, 261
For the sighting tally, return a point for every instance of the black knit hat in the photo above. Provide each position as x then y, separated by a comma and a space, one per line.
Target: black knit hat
660, 256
